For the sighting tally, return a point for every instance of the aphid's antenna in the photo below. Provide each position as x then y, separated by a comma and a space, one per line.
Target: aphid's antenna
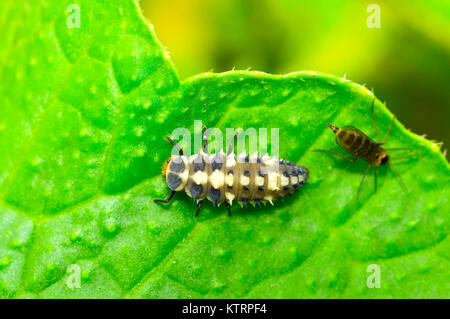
179, 149
398, 175
362, 181
374, 122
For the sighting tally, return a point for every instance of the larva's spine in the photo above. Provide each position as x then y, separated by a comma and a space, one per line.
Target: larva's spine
243, 179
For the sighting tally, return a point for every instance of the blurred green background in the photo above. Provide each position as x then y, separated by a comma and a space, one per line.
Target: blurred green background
406, 60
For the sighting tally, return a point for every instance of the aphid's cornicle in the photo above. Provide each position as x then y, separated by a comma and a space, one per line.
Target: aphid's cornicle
227, 178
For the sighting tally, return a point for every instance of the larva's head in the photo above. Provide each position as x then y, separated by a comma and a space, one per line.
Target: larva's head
165, 166
175, 170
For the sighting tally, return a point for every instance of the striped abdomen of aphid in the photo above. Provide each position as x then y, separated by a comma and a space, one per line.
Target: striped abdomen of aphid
357, 143
229, 178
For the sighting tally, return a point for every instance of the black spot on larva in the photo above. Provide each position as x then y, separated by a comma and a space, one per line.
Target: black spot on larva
230, 172
216, 163
214, 194
294, 173
245, 187
297, 185
229, 186
258, 201
244, 201
286, 173
302, 170
199, 163
261, 188
287, 187
258, 160
177, 165
247, 173
282, 161
196, 190
262, 174
247, 158
173, 180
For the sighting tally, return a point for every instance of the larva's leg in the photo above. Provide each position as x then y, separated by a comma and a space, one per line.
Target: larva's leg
362, 181
336, 154
199, 206
228, 208
205, 141
167, 199
231, 145
179, 149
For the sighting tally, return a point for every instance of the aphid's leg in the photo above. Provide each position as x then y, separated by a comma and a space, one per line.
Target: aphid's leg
389, 129
399, 149
374, 122
375, 177
362, 181
411, 154
165, 200
231, 146
398, 175
336, 154
406, 156
179, 149
199, 206
205, 141
228, 208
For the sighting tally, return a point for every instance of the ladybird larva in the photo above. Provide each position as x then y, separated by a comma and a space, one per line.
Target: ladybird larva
227, 178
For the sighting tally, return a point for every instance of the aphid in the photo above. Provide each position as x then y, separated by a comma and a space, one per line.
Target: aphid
228, 178
359, 145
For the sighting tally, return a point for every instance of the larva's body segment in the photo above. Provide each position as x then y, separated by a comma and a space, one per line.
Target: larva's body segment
229, 178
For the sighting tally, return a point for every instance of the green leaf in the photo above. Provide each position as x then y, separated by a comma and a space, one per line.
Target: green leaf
84, 112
